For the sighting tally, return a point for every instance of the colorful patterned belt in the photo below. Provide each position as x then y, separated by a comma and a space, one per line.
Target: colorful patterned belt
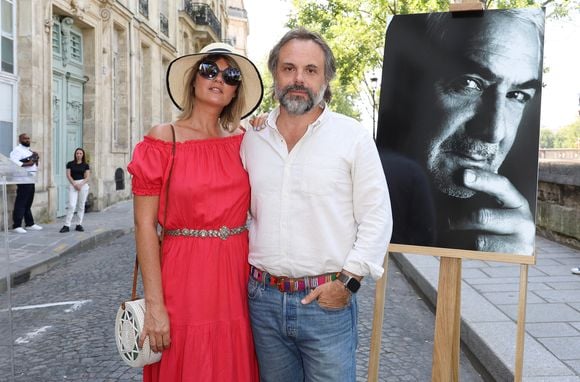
290, 284
223, 233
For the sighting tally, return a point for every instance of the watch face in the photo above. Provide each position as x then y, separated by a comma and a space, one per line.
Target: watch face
353, 285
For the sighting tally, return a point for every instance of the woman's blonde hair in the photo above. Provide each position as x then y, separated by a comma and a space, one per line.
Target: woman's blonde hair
231, 113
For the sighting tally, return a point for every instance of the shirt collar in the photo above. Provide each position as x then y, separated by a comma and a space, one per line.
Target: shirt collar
273, 117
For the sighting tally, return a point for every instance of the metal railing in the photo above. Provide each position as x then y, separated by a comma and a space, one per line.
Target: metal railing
230, 41
240, 13
202, 14
561, 154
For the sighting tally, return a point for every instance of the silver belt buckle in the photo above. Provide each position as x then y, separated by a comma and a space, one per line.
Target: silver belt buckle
224, 232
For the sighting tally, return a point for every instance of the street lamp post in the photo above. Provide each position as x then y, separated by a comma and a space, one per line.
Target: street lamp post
374, 83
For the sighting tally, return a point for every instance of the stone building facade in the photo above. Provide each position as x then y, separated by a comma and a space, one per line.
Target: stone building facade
91, 74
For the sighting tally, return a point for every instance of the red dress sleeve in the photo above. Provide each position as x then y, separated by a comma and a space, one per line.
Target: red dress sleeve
148, 165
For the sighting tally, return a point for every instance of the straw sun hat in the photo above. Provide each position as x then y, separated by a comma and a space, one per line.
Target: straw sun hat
178, 69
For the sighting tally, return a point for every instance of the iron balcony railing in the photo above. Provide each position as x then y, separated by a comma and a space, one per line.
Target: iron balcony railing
201, 14
240, 13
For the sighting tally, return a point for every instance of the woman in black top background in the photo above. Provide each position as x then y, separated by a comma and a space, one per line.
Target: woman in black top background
77, 172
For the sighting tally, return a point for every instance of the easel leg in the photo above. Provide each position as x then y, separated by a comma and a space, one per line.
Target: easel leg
447, 322
521, 330
377, 331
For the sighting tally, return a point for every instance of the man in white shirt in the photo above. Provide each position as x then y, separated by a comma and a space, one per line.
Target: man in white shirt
321, 220
24, 157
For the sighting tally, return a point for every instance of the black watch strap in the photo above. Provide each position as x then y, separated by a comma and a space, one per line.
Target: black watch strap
349, 282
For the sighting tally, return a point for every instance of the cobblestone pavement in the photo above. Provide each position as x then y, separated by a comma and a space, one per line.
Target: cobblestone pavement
74, 341
407, 337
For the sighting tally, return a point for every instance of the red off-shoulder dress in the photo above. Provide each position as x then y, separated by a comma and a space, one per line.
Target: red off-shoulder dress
204, 279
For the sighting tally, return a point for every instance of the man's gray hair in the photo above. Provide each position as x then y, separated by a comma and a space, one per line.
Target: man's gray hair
304, 34
438, 23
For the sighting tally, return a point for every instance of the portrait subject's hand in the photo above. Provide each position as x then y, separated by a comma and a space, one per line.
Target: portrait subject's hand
504, 226
156, 327
331, 295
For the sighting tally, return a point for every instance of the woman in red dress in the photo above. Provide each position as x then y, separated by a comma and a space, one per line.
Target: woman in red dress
195, 294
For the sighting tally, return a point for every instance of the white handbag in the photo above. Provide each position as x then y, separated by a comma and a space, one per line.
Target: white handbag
128, 327
131, 314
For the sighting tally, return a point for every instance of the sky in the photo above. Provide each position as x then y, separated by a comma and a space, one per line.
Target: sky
561, 56
266, 20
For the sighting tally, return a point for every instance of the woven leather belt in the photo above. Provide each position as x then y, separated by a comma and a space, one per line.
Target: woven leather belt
223, 233
290, 284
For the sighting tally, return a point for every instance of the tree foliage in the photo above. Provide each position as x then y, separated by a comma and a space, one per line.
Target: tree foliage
567, 137
267, 103
355, 30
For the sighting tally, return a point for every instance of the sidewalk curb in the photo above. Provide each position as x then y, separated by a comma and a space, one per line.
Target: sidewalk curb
56, 254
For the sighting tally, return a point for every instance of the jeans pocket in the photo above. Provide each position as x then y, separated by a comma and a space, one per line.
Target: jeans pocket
330, 310
254, 289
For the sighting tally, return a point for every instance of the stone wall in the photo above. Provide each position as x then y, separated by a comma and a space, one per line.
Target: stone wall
560, 154
558, 212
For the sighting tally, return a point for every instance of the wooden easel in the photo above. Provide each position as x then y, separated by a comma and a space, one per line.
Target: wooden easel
446, 346
466, 5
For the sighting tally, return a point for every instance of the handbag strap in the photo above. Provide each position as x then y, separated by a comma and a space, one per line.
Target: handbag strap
136, 267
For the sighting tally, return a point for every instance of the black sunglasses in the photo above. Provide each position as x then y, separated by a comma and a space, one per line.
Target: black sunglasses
210, 70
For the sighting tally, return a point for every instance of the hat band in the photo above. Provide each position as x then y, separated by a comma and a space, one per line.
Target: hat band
218, 50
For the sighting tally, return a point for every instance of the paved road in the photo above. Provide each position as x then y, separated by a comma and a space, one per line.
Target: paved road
73, 341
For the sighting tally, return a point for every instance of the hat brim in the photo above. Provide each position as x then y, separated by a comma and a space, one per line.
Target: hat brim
253, 89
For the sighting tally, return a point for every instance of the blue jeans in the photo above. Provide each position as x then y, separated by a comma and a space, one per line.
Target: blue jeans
296, 342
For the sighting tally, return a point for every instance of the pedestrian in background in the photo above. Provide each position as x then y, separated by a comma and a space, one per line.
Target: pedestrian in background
321, 220
195, 291
24, 157
77, 173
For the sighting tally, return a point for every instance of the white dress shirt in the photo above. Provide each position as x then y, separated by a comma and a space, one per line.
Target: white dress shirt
21, 152
322, 207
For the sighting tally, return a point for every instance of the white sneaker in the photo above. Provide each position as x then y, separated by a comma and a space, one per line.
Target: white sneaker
575, 270
35, 227
19, 230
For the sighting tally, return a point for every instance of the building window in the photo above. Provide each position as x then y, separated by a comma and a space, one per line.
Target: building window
76, 48
163, 17
6, 117
120, 90
144, 7
7, 10
164, 24
56, 40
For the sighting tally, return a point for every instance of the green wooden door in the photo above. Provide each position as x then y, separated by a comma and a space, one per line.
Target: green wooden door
67, 106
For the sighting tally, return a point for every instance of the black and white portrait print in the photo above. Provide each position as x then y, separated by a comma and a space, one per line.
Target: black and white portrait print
458, 128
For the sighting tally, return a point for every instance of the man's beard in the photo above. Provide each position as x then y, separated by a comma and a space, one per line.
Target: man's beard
25, 144
295, 104
447, 174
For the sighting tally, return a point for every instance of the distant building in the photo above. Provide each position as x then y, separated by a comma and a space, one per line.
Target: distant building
91, 74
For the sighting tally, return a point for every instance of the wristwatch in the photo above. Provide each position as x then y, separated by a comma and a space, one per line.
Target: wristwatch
349, 282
